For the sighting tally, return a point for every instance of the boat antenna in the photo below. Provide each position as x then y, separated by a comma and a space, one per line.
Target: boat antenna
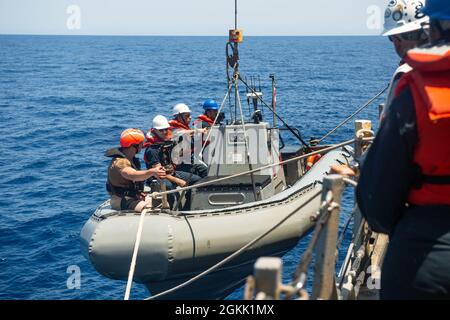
235, 14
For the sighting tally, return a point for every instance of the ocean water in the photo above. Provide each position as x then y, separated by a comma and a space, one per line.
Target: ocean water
65, 100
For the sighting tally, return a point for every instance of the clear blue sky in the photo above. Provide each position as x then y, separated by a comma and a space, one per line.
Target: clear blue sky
192, 17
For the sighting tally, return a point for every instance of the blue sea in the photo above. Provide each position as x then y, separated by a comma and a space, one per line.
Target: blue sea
65, 99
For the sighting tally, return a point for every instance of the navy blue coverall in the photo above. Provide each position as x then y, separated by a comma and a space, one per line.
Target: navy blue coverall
417, 263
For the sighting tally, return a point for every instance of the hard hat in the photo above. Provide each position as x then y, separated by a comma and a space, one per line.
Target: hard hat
160, 122
403, 16
181, 108
131, 137
210, 104
437, 9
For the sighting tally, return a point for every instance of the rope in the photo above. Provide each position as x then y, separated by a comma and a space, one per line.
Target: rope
250, 167
273, 111
215, 120
344, 230
280, 163
352, 115
135, 253
236, 253
300, 274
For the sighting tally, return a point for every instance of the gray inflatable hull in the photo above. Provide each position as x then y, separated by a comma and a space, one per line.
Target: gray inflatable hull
175, 248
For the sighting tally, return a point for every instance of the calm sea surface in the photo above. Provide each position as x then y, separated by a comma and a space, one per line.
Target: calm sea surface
65, 100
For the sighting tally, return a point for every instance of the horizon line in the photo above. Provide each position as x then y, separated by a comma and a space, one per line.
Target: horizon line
184, 35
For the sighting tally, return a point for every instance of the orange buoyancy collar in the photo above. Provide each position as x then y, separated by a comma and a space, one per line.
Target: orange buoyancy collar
153, 138
175, 124
204, 118
430, 86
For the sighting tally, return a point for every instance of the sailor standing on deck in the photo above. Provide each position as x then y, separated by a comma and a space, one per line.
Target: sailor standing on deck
404, 187
125, 181
403, 22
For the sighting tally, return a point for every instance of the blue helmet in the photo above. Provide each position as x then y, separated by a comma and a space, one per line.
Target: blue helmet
437, 9
210, 104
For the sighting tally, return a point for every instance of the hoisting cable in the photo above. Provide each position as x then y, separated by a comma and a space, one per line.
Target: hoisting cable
236, 253
368, 103
247, 151
215, 120
273, 111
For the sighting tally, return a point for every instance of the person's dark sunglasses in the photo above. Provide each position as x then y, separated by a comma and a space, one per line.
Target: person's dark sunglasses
408, 36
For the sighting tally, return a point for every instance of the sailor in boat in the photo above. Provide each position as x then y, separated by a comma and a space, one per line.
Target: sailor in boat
183, 133
125, 182
206, 119
404, 187
403, 26
159, 151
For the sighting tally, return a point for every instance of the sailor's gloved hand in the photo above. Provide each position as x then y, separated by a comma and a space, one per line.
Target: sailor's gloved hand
201, 130
158, 172
342, 170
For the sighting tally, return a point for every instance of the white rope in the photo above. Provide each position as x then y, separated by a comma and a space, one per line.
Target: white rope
215, 120
135, 253
368, 103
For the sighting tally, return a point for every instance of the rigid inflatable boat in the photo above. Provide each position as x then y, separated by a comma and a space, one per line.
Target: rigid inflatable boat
176, 246
225, 211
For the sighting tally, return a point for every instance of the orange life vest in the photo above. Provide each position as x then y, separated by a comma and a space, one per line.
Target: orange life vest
152, 138
203, 118
311, 160
175, 124
430, 86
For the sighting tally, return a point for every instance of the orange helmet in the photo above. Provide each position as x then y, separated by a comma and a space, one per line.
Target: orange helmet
131, 137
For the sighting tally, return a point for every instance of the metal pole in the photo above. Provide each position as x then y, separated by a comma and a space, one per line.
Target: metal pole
360, 125
274, 105
365, 125
165, 203
324, 273
235, 14
252, 177
268, 272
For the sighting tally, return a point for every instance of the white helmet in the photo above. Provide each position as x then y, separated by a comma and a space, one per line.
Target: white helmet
160, 123
403, 16
181, 108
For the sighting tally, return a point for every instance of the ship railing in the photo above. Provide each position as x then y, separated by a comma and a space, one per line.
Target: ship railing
358, 277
